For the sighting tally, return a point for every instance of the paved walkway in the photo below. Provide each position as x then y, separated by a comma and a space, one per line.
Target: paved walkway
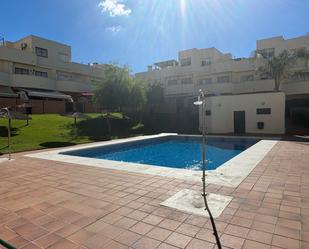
46, 204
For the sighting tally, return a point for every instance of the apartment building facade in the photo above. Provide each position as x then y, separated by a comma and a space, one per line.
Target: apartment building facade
219, 74
41, 72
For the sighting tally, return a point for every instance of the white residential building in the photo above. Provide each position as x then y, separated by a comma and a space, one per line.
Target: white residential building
217, 73
43, 71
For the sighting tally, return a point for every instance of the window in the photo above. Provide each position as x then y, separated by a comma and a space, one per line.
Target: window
263, 111
63, 75
223, 79
186, 81
247, 78
206, 62
208, 112
185, 62
205, 81
42, 52
268, 52
40, 74
19, 70
265, 76
64, 57
300, 76
172, 82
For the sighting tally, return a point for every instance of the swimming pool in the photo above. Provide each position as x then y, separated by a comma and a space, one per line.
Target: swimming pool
174, 152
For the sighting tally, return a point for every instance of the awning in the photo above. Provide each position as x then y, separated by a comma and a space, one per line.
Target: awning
7, 92
47, 94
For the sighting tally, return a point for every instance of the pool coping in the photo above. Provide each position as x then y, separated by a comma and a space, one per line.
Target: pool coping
4, 160
230, 174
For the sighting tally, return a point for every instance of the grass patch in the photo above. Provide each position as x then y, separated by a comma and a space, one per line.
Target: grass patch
52, 130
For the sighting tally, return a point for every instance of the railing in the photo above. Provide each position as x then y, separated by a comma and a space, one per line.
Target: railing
6, 245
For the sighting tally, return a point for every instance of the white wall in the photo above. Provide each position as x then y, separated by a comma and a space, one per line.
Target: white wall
222, 109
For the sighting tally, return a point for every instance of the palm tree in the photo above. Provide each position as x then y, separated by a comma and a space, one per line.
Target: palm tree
277, 67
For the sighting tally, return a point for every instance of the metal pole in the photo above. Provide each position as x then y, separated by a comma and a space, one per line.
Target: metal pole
204, 174
202, 102
9, 137
203, 148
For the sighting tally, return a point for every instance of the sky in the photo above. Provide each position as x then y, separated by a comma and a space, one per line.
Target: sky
138, 33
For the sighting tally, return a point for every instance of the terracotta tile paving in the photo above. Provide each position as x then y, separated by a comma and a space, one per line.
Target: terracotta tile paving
46, 204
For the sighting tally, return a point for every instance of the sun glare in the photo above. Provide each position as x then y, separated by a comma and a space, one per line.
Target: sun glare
183, 6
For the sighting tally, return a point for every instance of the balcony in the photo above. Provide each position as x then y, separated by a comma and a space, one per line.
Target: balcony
85, 69
73, 86
179, 89
30, 81
254, 86
296, 87
16, 55
215, 88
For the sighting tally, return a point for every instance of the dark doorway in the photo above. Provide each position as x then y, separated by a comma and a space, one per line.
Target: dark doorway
239, 122
69, 106
297, 114
80, 107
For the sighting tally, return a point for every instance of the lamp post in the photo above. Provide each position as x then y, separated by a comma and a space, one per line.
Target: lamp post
6, 112
201, 102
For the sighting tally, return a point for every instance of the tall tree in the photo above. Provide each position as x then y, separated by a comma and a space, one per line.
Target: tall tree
280, 67
112, 93
138, 95
155, 94
119, 90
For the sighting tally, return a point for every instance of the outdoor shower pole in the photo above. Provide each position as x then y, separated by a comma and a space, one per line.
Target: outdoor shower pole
203, 145
201, 102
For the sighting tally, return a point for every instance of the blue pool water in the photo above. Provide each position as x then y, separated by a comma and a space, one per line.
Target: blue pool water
174, 153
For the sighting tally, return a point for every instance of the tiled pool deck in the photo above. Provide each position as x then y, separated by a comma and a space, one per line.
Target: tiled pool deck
49, 204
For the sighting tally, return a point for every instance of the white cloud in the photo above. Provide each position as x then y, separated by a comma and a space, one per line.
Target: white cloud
114, 29
114, 8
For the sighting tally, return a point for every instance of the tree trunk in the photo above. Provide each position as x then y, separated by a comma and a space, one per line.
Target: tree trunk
277, 85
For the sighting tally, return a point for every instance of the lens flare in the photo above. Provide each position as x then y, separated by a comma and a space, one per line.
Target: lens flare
183, 6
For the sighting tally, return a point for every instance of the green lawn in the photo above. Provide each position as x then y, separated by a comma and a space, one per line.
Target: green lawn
49, 131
